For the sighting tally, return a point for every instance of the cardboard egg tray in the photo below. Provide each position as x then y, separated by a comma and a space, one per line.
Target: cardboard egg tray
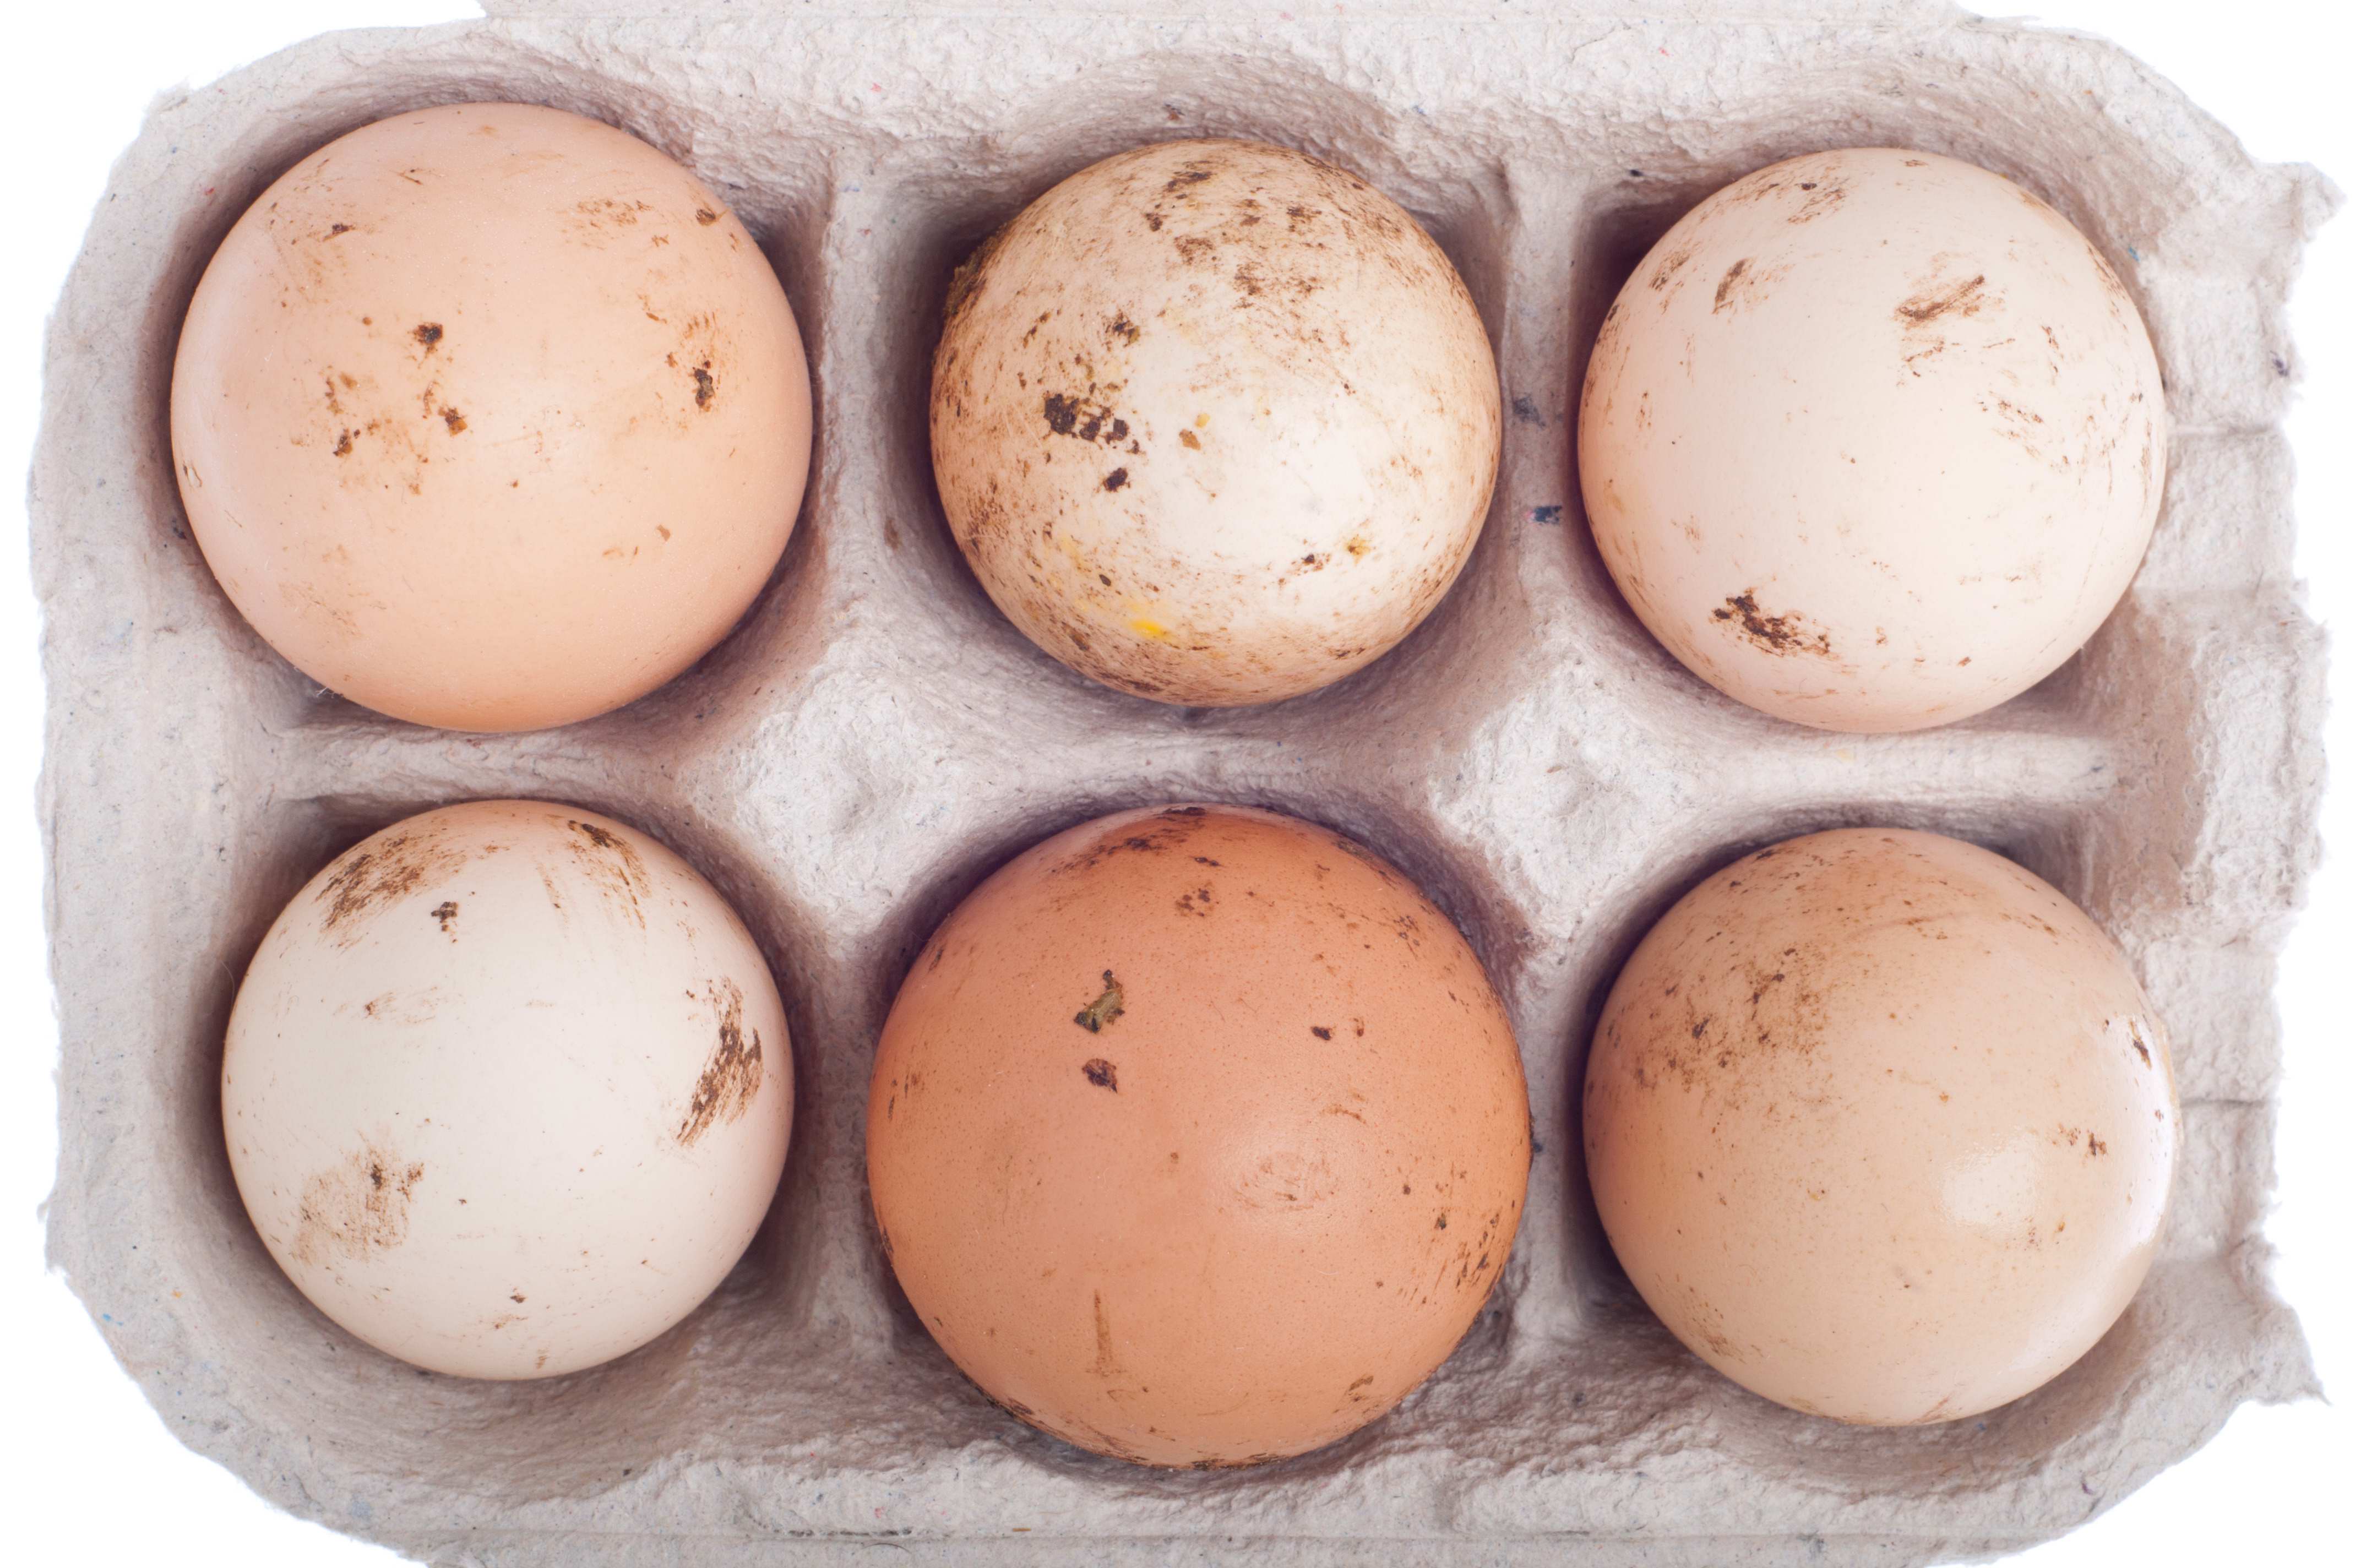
874, 738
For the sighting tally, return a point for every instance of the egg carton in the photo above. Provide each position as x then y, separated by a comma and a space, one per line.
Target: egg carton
874, 738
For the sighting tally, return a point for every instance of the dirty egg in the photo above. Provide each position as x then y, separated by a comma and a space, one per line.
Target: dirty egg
1197, 1136
1882, 1126
490, 417
507, 1089
1214, 423
1872, 440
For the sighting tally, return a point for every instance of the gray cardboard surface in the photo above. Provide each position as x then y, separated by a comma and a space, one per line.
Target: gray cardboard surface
875, 739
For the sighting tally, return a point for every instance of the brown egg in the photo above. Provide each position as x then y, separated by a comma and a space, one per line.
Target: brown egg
490, 417
1197, 1136
1882, 1126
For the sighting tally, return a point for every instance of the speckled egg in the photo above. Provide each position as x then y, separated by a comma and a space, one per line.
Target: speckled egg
1882, 1126
1872, 440
1197, 1136
490, 417
507, 1089
1214, 423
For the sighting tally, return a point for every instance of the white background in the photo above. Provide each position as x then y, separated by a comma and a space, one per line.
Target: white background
90, 1472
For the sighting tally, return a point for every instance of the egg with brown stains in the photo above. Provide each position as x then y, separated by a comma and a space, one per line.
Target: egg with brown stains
490, 417
507, 1089
1872, 440
1214, 423
1882, 1126
1197, 1136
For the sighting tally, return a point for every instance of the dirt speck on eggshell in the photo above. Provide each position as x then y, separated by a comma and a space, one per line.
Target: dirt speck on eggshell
732, 1074
377, 872
359, 1206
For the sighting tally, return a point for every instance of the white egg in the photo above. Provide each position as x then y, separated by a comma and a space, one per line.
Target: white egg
1872, 440
1214, 423
507, 1089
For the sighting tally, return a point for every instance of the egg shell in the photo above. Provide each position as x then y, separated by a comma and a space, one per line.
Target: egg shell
1214, 423
1872, 440
507, 1089
490, 417
1197, 1136
1882, 1126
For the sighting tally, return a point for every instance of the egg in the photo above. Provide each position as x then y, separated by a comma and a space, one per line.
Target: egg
1197, 1136
1214, 423
490, 417
1872, 440
507, 1089
1882, 1126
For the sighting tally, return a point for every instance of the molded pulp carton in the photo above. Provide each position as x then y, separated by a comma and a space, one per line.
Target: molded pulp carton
875, 738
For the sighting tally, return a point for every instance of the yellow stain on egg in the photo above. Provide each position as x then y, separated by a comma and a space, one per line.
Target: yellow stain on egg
1147, 628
